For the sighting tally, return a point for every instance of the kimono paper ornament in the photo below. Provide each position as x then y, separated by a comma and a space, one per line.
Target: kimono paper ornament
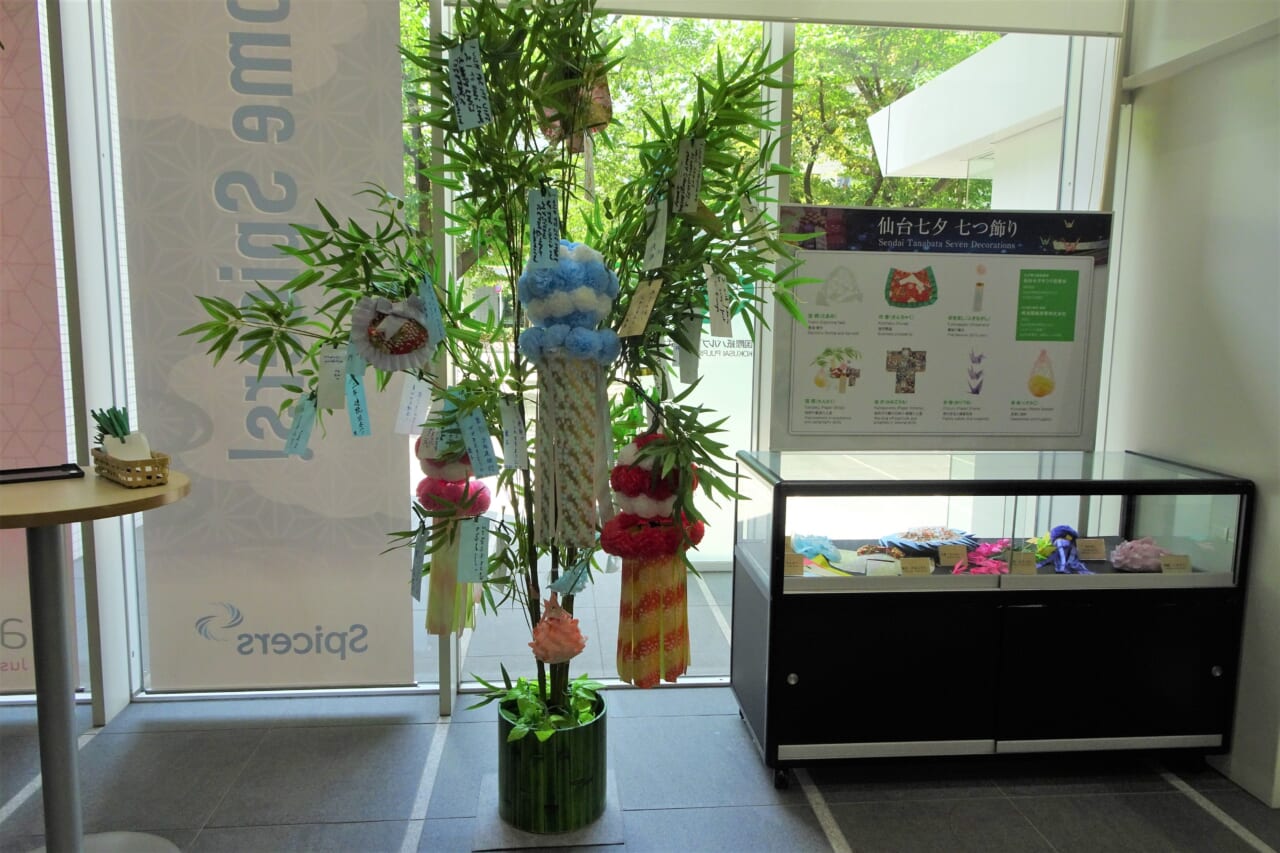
653, 616
391, 335
556, 637
565, 304
588, 107
447, 488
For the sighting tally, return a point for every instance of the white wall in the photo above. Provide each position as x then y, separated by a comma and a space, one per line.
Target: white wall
1166, 30
1026, 171
1196, 365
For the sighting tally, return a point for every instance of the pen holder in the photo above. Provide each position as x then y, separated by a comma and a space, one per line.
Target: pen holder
132, 474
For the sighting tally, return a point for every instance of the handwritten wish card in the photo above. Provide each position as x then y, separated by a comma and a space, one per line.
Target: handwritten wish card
655, 247
473, 549
431, 307
331, 378
415, 569
468, 87
357, 405
515, 441
415, 396
687, 182
304, 419
719, 307
639, 309
544, 228
475, 437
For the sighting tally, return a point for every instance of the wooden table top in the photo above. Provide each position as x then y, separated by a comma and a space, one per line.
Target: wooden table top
82, 499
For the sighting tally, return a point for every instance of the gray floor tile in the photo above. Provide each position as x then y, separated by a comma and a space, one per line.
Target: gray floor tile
708, 645
448, 835
328, 775
672, 701
146, 783
944, 826
1128, 823
720, 585
696, 762
261, 713
787, 829
924, 779
20, 746
1078, 773
1196, 772
470, 751
183, 838
366, 837
1249, 812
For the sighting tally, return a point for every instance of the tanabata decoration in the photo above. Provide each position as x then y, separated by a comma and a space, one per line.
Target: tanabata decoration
911, 289
556, 637
565, 304
1138, 555
982, 560
814, 546
448, 491
1065, 559
588, 107
653, 616
391, 335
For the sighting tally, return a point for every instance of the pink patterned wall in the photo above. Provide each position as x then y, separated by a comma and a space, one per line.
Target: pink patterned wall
32, 412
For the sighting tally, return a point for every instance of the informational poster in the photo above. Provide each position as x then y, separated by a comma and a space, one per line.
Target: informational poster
942, 329
235, 118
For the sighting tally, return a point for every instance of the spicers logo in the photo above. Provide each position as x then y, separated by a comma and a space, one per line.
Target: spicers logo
217, 627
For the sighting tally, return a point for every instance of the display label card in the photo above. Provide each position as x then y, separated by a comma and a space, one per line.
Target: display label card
468, 86
916, 566
655, 248
949, 555
431, 307
1022, 563
687, 182
415, 396
640, 307
689, 360
515, 440
304, 419
544, 228
475, 437
1091, 549
1047, 305
793, 564
331, 381
1175, 564
473, 549
718, 304
415, 570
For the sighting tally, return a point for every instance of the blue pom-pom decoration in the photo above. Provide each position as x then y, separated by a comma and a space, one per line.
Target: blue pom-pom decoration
557, 329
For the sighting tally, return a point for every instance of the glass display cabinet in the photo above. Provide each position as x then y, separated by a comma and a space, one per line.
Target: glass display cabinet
966, 603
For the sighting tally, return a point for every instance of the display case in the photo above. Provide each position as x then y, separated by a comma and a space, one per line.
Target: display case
964, 603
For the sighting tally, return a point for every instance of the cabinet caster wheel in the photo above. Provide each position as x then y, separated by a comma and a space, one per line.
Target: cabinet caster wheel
781, 780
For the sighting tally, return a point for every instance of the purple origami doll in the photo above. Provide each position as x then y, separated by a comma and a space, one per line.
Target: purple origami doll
1064, 557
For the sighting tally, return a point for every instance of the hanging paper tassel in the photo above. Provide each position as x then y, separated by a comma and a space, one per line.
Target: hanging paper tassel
653, 614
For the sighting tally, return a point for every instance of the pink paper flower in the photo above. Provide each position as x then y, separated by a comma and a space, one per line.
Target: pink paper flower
556, 638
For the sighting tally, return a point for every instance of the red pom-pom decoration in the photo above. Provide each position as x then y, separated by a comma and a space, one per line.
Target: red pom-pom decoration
445, 495
630, 536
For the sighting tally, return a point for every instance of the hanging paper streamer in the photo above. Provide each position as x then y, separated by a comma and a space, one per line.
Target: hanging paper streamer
566, 304
448, 491
653, 617
468, 87
304, 419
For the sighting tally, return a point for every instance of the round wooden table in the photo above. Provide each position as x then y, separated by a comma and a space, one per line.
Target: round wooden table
42, 508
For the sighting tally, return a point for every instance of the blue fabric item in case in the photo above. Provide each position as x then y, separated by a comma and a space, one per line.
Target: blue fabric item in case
813, 546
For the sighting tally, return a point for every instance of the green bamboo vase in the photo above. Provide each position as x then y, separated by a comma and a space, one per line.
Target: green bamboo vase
556, 785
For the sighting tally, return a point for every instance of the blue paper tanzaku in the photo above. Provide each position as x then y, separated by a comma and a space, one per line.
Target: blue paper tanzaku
431, 307
304, 418
357, 405
475, 436
473, 549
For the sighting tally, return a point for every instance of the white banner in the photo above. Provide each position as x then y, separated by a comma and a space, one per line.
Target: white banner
235, 115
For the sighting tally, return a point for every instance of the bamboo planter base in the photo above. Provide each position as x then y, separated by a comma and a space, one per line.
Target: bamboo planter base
557, 785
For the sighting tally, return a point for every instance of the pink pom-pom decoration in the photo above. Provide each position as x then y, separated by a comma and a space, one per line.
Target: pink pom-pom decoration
444, 495
1138, 555
556, 637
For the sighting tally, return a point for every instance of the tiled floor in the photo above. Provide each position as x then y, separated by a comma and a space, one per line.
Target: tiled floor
375, 773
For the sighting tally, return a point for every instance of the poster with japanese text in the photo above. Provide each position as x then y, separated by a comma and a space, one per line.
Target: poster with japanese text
942, 329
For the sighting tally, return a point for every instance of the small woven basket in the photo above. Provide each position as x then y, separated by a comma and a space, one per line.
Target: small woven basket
132, 474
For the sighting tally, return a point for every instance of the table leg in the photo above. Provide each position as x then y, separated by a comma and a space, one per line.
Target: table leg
55, 692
